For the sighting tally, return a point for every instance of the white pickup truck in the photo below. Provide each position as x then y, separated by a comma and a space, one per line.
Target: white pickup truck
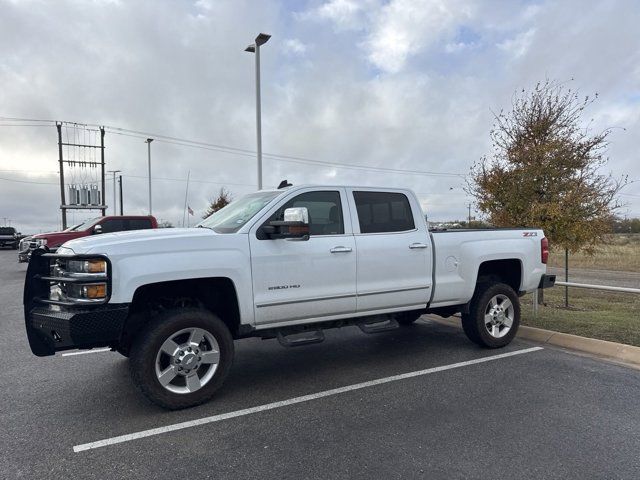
282, 264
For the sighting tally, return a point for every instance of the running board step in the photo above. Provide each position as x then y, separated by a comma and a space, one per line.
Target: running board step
300, 338
379, 323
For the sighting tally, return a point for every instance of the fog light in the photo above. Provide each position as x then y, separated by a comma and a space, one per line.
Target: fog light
94, 291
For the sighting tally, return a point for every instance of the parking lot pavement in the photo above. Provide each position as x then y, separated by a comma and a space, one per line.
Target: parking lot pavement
536, 413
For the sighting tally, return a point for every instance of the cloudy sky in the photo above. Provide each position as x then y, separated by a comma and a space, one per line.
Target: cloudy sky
394, 93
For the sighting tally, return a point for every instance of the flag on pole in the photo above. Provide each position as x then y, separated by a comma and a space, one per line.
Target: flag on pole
189, 210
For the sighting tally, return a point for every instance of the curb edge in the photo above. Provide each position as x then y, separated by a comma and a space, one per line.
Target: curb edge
621, 352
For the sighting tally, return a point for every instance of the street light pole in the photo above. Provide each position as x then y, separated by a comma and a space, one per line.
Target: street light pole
115, 211
148, 142
121, 200
261, 39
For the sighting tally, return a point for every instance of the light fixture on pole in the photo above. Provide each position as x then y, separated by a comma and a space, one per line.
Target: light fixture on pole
148, 142
115, 212
261, 39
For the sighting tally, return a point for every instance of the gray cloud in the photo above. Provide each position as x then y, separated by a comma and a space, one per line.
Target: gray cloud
335, 88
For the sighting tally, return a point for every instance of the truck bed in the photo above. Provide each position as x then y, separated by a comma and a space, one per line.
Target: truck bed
458, 255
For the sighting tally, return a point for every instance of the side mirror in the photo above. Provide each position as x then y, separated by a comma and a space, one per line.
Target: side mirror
97, 229
294, 226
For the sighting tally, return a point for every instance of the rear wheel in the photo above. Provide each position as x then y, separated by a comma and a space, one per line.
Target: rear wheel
181, 358
494, 315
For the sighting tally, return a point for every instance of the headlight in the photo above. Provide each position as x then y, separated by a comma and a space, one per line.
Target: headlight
41, 241
93, 291
87, 266
79, 280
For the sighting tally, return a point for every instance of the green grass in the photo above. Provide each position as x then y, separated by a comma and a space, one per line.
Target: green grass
608, 316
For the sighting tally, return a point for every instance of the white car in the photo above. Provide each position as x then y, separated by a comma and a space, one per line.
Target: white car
280, 264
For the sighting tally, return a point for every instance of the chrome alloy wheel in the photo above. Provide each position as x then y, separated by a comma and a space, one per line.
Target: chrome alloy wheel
499, 316
187, 360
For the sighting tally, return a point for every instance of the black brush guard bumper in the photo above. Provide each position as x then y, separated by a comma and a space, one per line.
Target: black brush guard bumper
53, 326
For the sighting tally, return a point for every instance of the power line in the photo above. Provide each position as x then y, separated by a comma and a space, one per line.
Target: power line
247, 152
27, 181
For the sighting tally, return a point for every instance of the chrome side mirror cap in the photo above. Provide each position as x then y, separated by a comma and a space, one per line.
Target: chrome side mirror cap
296, 215
295, 225
97, 229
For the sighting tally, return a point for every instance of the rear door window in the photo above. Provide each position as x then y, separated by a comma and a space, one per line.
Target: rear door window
383, 212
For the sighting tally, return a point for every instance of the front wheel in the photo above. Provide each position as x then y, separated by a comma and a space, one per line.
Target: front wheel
181, 358
494, 315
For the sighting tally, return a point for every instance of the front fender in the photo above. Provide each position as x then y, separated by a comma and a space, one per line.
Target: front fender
133, 272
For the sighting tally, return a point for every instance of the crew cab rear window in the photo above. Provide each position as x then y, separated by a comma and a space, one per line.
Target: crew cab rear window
380, 212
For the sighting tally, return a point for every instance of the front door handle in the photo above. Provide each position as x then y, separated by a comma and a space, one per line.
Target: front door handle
340, 249
418, 245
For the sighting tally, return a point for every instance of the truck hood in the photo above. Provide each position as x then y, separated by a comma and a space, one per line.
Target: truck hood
143, 241
55, 239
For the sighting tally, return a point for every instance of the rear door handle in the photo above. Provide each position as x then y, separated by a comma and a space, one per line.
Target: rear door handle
418, 245
340, 249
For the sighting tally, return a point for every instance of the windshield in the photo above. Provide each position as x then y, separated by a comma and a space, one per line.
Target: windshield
86, 224
232, 217
74, 228
7, 230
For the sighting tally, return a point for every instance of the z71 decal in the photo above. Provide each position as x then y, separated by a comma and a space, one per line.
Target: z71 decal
529, 234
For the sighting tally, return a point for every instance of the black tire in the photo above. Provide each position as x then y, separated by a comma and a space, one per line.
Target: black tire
147, 344
473, 323
407, 319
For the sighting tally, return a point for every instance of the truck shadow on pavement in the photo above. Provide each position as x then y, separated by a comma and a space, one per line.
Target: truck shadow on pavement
264, 371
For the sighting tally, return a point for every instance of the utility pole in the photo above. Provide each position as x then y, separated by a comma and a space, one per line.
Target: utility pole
186, 195
61, 161
148, 142
469, 217
121, 202
103, 199
261, 39
115, 211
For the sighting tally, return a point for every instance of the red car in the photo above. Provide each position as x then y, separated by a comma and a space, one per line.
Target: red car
91, 227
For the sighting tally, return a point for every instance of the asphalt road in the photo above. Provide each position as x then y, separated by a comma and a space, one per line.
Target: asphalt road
612, 278
538, 414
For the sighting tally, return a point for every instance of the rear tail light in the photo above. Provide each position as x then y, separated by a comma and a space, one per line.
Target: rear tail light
544, 250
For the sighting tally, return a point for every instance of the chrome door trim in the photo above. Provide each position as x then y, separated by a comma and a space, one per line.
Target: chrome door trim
337, 297
305, 300
395, 290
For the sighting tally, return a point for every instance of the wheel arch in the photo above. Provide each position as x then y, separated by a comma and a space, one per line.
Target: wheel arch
215, 294
508, 271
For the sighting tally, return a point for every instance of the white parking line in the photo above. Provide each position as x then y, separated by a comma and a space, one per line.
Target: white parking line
283, 403
94, 350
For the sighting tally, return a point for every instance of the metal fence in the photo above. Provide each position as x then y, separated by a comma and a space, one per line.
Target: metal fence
607, 288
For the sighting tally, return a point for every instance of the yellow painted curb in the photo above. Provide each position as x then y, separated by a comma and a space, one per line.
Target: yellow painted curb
617, 351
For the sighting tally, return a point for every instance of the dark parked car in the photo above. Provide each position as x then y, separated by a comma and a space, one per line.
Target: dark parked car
9, 237
91, 227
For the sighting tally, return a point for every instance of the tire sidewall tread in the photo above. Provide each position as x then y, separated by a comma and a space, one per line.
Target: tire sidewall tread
146, 344
473, 322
